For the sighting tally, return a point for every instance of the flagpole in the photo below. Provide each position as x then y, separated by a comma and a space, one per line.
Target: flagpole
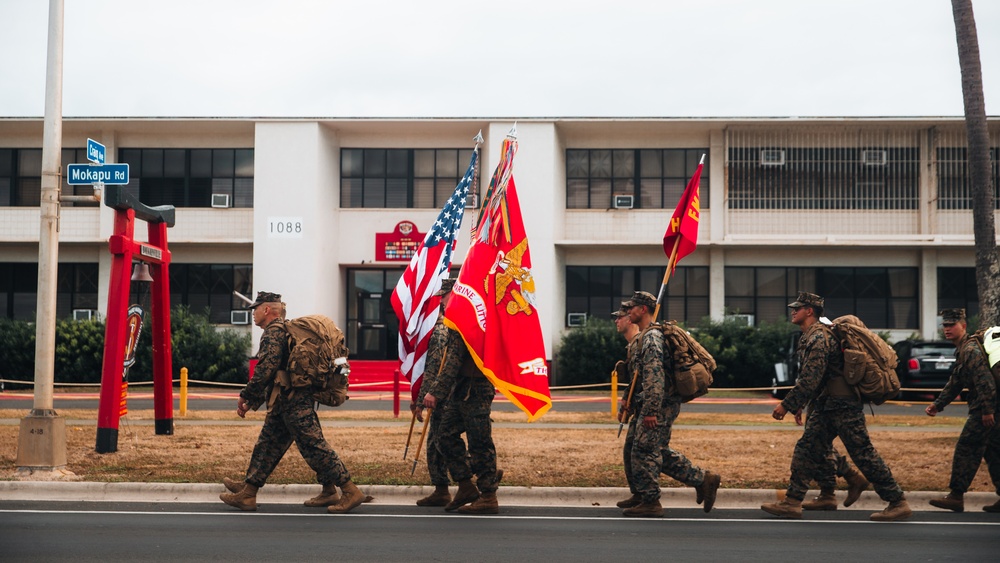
666, 277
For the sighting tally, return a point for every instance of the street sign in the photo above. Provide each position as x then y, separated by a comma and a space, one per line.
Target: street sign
82, 174
95, 151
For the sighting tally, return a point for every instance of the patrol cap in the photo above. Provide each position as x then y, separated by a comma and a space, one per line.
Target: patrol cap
446, 285
265, 297
806, 299
642, 298
622, 311
952, 316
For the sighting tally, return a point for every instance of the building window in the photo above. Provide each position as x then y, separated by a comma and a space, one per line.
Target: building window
599, 290
21, 177
655, 178
954, 190
883, 298
190, 177
401, 178
76, 288
957, 289
207, 289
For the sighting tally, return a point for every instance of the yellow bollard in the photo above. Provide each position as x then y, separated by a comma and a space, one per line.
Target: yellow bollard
184, 391
614, 394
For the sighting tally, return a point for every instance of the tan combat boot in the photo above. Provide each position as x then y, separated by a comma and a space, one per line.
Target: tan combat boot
351, 499
485, 504
232, 485
634, 500
898, 510
326, 497
467, 492
953, 502
645, 510
440, 497
707, 491
856, 484
246, 499
787, 508
827, 500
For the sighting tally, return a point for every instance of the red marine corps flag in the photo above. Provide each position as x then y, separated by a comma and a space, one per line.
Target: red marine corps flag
413, 300
681, 237
493, 302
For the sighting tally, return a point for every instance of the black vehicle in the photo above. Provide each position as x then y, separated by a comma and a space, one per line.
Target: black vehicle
924, 365
786, 371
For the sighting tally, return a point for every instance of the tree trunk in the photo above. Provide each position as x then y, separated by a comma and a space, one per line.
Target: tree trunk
987, 260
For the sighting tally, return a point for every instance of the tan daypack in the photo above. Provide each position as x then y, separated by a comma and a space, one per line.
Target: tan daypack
317, 359
693, 365
869, 361
989, 343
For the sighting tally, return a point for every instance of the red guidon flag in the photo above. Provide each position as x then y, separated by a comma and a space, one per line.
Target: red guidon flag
493, 302
682, 232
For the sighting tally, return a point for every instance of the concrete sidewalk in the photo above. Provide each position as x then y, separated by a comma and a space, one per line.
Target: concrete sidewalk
80, 491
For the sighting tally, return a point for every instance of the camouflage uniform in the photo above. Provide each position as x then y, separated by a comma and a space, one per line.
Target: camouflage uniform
632, 349
651, 452
972, 371
468, 397
834, 411
437, 465
292, 418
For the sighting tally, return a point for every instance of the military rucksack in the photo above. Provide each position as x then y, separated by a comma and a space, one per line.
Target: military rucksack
989, 342
317, 359
869, 361
692, 364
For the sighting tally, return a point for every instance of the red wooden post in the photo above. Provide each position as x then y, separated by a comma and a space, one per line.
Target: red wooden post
163, 372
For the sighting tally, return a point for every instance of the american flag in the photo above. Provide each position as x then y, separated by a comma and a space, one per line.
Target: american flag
413, 299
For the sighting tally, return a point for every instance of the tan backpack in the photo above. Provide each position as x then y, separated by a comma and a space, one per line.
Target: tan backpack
317, 359
869, 361
989, 343
693, 365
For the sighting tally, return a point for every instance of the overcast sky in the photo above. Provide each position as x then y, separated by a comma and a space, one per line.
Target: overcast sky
513, 58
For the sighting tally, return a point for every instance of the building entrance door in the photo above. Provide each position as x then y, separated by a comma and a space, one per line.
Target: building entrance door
377, 326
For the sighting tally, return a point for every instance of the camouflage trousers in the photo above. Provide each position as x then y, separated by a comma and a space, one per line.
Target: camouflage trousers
974, 444
293, 419
437, 465
468, 410
833, 466
814, 456
651, 455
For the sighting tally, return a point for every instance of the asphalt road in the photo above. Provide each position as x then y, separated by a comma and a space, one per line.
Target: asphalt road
222, 401
46, 531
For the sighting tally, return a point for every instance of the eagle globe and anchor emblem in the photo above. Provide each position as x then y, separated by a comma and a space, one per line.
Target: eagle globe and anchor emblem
508, 270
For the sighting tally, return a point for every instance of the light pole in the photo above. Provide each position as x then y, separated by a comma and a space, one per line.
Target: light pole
42, 439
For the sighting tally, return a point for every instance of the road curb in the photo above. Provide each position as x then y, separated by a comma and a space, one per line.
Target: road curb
80, 491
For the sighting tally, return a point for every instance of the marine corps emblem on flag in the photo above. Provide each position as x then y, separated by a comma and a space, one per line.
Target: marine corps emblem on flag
508, 269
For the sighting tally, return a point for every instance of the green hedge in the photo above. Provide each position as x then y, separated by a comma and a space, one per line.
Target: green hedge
745, 355
209, 354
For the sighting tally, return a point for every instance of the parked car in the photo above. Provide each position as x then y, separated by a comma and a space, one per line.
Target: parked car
924, 365
786, 371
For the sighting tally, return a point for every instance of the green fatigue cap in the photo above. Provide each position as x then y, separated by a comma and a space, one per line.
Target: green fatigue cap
952, 316
446, 286
265, 297
622, 311
642, 298
806, 299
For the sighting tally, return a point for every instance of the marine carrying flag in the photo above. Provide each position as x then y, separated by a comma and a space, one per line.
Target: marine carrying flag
413, 300
493, 303
683, 228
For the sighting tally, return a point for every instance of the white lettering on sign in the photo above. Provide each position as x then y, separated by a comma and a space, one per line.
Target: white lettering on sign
151, 252
284, 227
92, 174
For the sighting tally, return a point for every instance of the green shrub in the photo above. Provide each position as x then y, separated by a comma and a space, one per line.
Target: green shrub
588, 354
209, 354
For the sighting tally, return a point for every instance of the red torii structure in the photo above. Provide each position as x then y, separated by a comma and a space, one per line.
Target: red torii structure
124, 249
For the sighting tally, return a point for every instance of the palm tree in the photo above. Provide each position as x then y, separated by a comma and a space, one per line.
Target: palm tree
984, 229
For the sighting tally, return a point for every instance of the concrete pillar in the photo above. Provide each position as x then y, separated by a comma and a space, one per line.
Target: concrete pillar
717, 283
928, 293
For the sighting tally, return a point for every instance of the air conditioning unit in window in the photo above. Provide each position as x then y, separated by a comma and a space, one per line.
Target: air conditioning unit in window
772, 157
623, 201
472, 201
576, 319
874, 158
742, 320
83, 314
239, 317
220, 200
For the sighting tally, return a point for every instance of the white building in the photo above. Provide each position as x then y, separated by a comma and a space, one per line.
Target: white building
873, 214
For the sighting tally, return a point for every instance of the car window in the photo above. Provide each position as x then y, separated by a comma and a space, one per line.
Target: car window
919, 350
